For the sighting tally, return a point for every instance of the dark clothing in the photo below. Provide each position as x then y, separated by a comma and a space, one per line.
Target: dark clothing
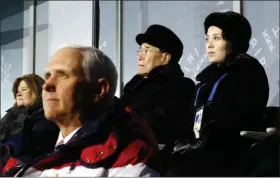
18, 119
165, 99
241, 97
27, 127
238, 104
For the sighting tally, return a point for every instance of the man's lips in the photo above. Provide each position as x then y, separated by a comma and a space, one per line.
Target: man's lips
51, 99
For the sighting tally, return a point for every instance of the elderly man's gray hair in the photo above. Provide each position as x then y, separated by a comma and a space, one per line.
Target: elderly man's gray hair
97, 65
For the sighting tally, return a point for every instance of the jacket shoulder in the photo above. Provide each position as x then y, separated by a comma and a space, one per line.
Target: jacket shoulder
247, 60
135, 152
139, 156
188, 82
182, 85
11, 163
251, 68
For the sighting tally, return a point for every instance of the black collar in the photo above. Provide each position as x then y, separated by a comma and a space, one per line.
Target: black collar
213, 70
26, 109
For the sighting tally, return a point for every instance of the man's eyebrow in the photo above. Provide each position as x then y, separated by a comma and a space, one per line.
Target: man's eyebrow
57, 71
145, 47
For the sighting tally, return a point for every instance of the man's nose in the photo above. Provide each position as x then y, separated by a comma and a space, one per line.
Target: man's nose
49, 85
140, 57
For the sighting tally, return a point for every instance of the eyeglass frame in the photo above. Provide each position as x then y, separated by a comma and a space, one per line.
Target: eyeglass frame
147, 51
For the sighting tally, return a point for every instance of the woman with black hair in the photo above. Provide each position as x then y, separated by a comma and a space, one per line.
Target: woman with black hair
231, 96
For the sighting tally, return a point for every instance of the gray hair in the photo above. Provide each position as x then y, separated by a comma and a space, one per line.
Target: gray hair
96, 65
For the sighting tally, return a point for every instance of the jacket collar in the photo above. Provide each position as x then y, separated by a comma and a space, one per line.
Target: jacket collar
26, 109
166, 71
213, 70
89, 142
158, 74
104, 123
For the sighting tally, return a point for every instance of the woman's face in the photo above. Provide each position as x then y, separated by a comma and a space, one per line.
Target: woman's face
216, 47
24, 96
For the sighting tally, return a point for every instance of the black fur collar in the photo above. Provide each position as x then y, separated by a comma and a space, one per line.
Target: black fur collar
166, 71
214, 70
38, 107
160, 73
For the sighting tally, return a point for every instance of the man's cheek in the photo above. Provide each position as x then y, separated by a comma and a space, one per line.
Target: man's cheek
148, 66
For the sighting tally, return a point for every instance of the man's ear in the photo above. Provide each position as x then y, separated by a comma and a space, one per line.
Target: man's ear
166, 58
104, 88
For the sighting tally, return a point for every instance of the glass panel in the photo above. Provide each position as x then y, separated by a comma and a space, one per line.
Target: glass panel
60, 23
264, 44
108, 33
108, 27
14, 47
185, 18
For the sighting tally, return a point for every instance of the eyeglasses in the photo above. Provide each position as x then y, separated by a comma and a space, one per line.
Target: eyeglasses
145, 51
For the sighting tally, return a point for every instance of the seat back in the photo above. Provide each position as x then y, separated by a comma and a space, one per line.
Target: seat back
272, 116
262, 159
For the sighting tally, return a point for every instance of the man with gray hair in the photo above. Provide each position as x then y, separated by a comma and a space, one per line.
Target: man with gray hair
97, 136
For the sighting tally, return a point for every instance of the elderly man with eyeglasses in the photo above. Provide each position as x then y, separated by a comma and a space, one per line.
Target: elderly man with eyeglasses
159, 92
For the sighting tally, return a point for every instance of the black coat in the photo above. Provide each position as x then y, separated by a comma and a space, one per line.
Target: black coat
165, 98
37, 134
18, 118
241, 97
238, 104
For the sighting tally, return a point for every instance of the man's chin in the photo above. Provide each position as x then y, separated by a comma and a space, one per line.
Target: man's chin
142, 73
20, 104
50, 115
51, 118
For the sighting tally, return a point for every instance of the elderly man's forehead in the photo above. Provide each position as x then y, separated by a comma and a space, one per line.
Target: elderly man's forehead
66, 58
67, 53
